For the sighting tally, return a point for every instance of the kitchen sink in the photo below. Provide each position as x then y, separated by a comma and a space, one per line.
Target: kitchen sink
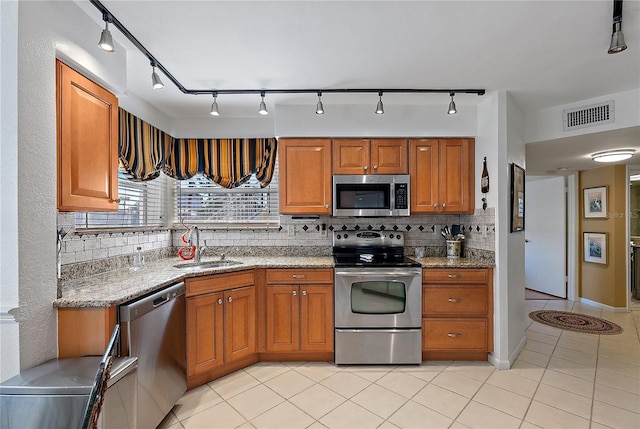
205, 265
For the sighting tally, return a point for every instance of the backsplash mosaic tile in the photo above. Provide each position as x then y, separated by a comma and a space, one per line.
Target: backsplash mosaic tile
92, 253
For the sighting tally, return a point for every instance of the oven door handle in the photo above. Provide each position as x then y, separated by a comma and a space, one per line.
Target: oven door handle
376, 273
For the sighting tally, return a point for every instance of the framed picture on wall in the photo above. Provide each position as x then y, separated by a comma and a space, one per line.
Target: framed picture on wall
595, 202
517, 198
595, 247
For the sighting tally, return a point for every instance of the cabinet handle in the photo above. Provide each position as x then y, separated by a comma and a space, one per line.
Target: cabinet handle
375, 167
435, 206
453, 335
444, 205
220, 301
366, 167
455, 276
299, 276
326, 206
304, 293
454, 300
230, 299
294, 293
117, 200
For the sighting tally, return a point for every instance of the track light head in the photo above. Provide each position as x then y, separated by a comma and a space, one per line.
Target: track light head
452, 105
380, 107
106, 41
155, 79
319, 106
263, 106
617, 38
214, 106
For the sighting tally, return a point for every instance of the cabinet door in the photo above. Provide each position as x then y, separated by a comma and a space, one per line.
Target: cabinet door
239, 323
423, 168
389, 156
316, 318
205, 333
283, 318
305, 176
87, 138
351, 156
456, 178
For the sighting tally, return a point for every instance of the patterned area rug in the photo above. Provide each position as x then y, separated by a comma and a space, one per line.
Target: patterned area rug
575, 322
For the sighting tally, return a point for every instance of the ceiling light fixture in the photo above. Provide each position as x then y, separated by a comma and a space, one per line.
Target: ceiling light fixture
617, 38
319, 106
157, 83
452, 105
379, 107
214, 106
613, 155
106, 41
263, 107
155, 79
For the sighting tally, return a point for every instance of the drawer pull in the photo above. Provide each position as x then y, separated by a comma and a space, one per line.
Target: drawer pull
299, 276
453, 335
455, 300
455, 276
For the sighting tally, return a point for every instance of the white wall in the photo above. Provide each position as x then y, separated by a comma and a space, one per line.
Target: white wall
9, 328
546, 124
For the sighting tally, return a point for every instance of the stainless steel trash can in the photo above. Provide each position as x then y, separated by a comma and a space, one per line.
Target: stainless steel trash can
55, 394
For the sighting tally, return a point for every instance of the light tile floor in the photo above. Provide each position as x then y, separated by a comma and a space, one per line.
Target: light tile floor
561, 379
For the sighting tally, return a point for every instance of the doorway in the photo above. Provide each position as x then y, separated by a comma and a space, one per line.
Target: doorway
546, 237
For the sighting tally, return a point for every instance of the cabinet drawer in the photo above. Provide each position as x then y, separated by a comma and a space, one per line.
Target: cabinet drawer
454, 300
299, 276
219, 282
454, 334
454, 275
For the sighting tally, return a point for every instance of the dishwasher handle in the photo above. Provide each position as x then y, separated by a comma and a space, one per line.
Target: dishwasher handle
135, 309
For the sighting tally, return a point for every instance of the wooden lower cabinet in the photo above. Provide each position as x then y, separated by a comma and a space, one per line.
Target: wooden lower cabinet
84, 331
457, 319
221, 325
299, 317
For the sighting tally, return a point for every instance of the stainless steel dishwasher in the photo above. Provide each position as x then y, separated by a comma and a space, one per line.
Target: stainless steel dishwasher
154, 328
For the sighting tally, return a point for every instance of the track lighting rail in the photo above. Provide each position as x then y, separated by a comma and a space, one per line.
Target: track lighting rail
107, 16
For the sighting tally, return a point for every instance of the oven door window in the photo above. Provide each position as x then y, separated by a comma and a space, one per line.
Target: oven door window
378, 297
363, 196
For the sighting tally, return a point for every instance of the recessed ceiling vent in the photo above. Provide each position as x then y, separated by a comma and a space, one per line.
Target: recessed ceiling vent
588, 116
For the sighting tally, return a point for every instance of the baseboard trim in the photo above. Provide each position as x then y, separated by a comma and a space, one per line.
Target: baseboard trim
507, 364
604, 306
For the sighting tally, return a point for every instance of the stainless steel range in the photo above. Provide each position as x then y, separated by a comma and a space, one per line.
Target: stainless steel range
378, 299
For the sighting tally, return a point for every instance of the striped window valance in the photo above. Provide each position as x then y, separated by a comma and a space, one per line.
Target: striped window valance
227, 162
143, 148
145, 151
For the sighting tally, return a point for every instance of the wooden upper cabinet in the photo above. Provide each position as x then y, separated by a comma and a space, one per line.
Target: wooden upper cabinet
442, 177
87, 140
305, 176
370, 156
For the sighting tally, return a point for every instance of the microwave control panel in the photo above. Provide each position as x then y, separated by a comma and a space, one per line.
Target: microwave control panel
401, 196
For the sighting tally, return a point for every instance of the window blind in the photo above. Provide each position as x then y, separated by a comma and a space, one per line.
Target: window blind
200, 201
141, 204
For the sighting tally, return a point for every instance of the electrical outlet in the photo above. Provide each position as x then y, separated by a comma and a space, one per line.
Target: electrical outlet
291, 230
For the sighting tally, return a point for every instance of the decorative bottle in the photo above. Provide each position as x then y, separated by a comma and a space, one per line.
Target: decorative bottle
138, 260
485, 177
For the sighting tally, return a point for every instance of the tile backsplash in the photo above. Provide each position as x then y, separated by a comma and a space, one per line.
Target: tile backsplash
84, 254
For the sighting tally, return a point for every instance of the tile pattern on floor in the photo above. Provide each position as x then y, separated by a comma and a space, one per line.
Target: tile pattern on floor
561, 379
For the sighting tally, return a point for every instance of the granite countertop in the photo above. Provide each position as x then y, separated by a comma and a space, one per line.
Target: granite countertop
116, 287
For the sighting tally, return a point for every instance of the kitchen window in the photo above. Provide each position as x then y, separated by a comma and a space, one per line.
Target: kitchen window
199, 201
142, 204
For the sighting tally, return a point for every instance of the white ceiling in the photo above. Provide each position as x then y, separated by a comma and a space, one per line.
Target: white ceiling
545, 53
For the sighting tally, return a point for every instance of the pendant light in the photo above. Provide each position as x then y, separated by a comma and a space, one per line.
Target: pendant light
452, 105
106, 41
214, 106
155, 79
263, 107
380, 107
319, 106
617, 38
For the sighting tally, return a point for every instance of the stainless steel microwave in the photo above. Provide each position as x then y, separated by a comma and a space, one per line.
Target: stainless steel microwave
371, 195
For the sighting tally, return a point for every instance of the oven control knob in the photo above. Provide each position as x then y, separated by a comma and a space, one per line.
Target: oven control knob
338, 237
346, 236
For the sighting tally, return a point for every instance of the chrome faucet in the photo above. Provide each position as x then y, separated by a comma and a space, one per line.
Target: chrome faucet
199, 250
